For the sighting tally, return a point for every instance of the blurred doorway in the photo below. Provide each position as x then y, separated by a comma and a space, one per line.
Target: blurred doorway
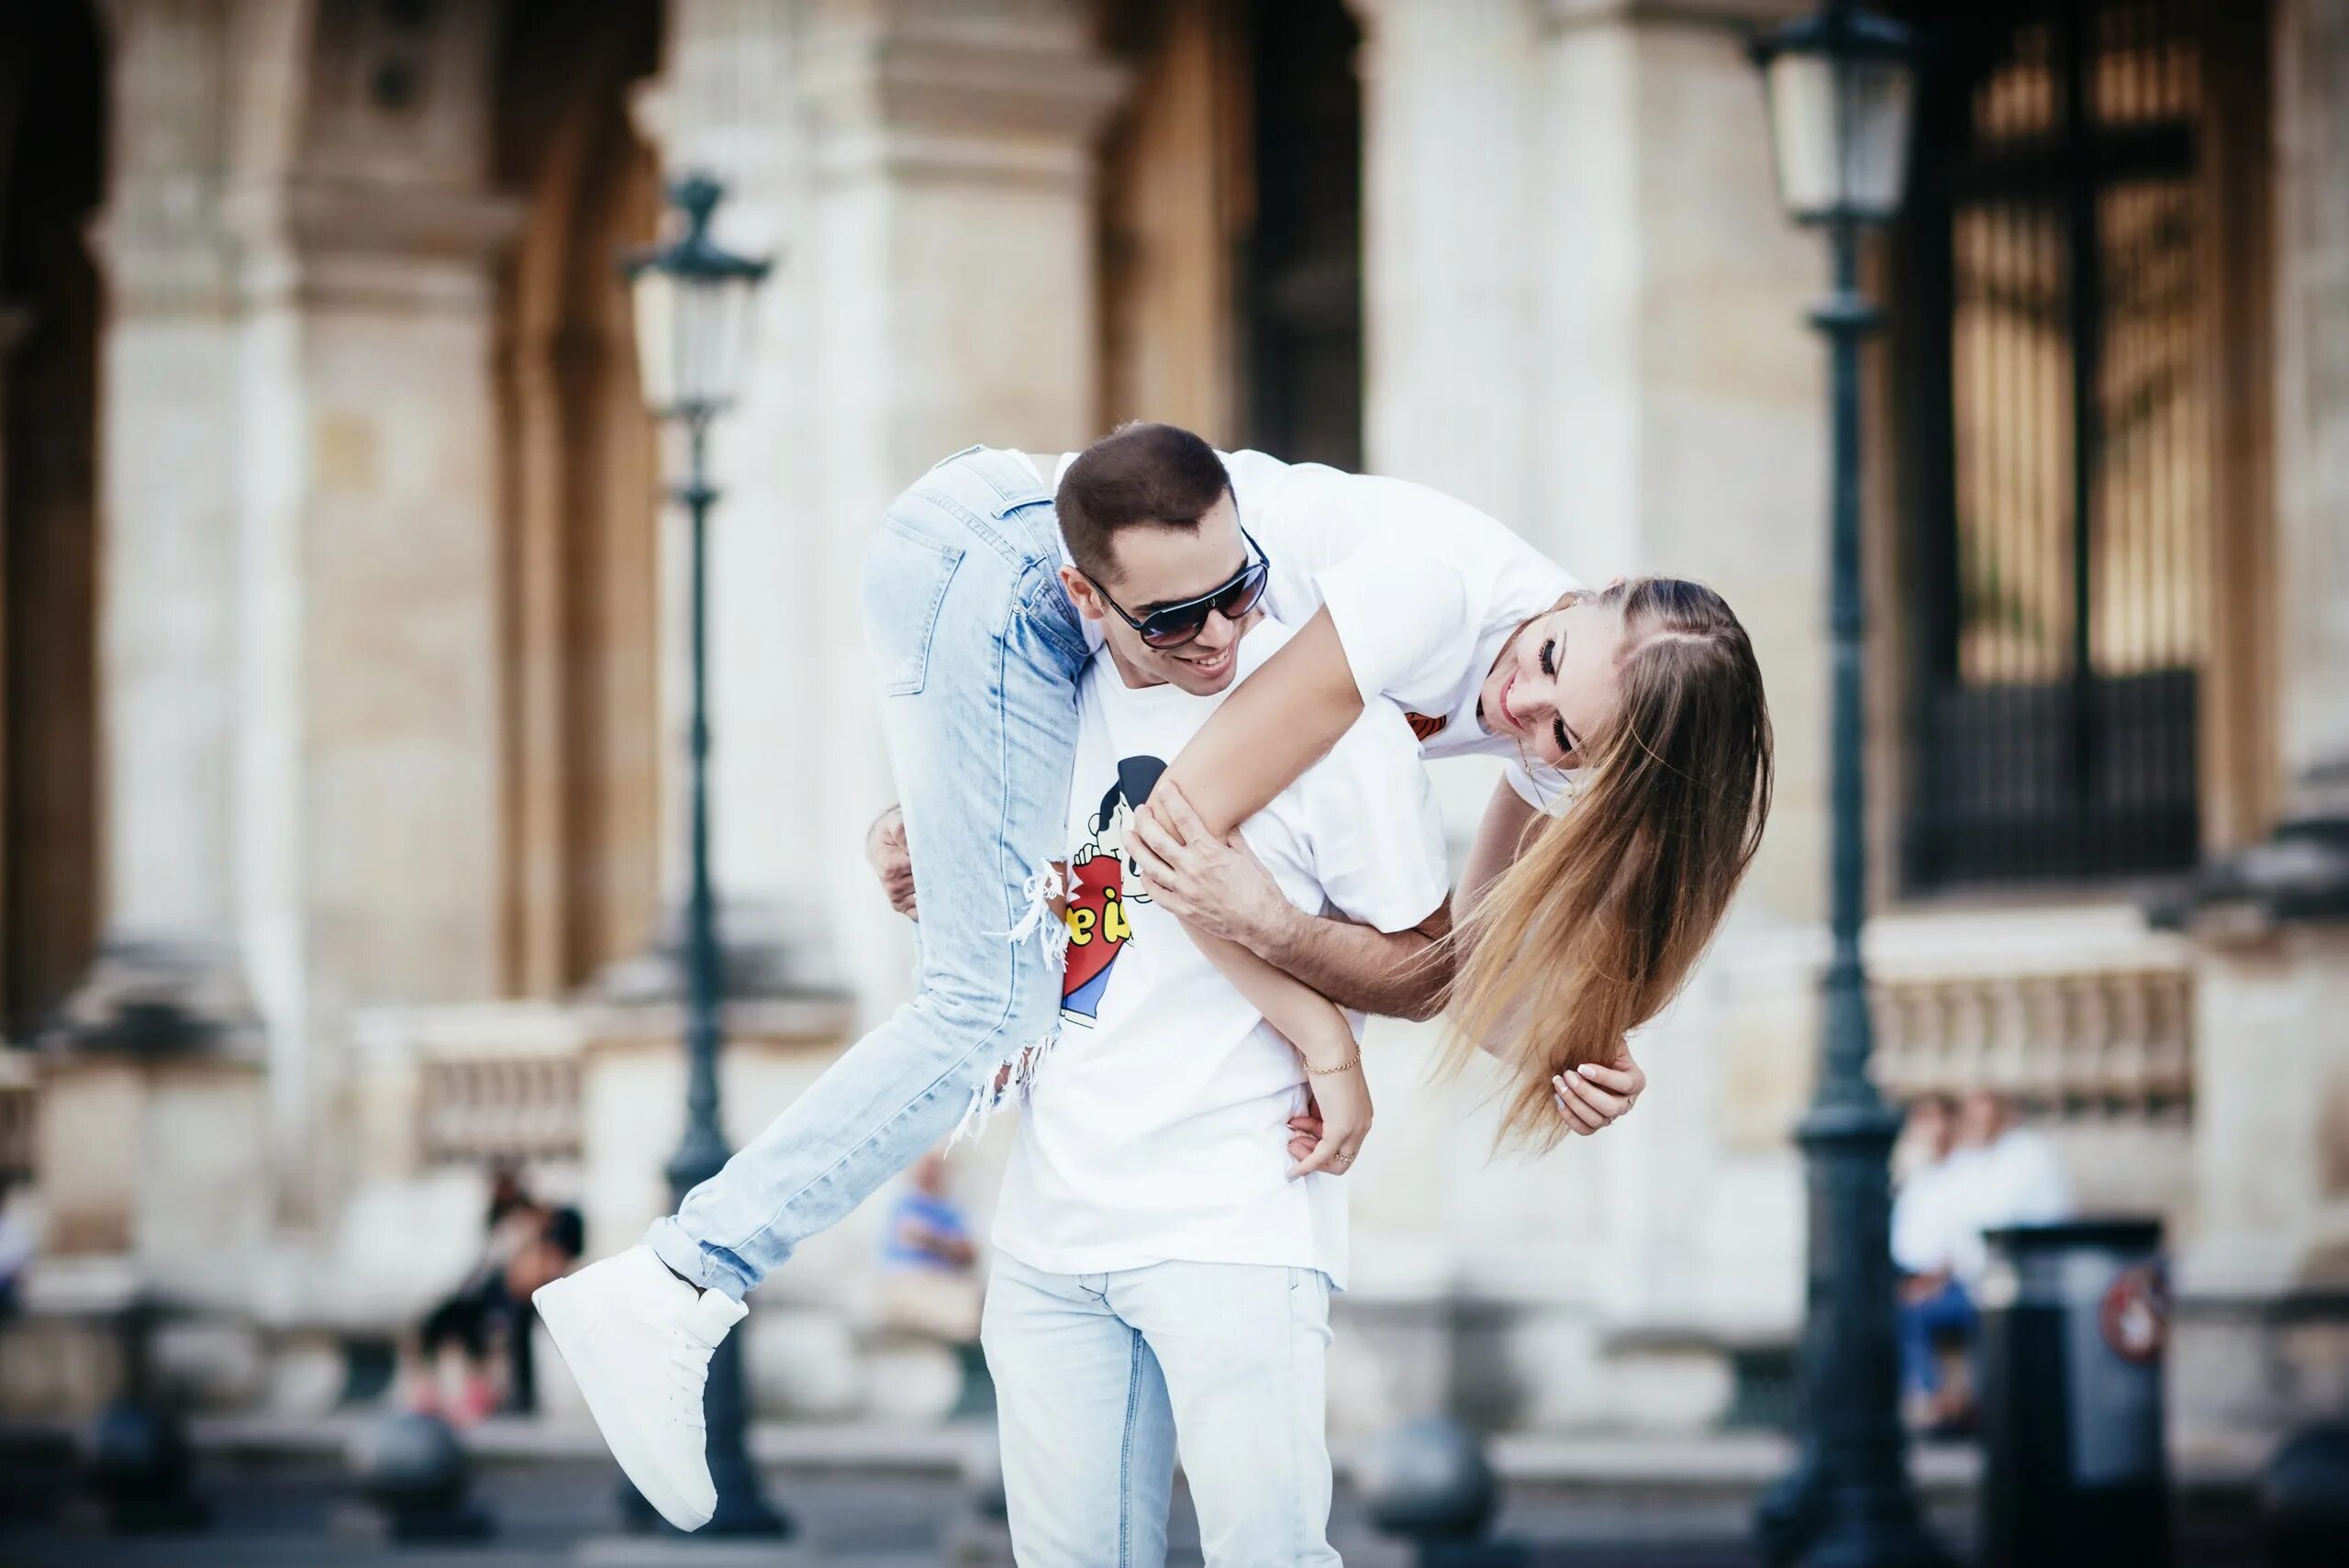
1231, 226
53, 171
580, 477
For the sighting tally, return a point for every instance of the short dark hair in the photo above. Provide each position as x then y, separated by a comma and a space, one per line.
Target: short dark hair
566, 1232
1139, 472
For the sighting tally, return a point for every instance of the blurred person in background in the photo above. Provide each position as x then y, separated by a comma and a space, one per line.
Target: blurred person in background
929, 1281
1936, 1312
1641, 704
2005, 1173
1996, 1173
461, 1339
15, 1247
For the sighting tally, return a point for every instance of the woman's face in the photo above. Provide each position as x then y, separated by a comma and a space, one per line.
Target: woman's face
1554, 684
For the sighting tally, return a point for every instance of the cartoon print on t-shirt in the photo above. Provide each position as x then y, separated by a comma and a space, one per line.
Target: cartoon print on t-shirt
1101, 882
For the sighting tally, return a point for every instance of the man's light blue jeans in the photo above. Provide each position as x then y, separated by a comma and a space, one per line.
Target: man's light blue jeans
978, 649
1100, 1377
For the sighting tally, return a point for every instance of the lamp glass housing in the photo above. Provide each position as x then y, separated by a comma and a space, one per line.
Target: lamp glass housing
1842, 106
696, 310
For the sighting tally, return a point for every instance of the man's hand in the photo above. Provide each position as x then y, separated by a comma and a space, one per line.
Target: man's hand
884, 847
1217, 885
1592, 1098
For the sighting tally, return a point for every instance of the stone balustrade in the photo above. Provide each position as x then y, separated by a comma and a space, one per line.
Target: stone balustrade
2085, 1043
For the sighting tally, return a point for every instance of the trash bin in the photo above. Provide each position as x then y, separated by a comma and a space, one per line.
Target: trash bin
2075, 1324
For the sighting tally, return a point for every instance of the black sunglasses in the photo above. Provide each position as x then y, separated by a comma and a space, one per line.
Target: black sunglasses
1171, 625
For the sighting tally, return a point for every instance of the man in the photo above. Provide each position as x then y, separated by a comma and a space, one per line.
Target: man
979, 648
1163, 1277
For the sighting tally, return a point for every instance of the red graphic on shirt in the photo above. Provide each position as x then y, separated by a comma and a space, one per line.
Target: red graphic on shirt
1423, 726
1101, 880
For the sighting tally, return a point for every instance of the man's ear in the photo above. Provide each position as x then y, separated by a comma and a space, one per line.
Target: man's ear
1082, 593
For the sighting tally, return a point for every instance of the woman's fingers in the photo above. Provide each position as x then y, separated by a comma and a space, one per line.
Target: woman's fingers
1609, 1107
1625, 1081
1333, 1150
1578, 1116
1328, 1154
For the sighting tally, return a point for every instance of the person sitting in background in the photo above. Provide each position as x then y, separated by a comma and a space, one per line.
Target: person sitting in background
1934, 1307
930, 1286
16, 1248
529, 1246
2006, 1174
1997, 1173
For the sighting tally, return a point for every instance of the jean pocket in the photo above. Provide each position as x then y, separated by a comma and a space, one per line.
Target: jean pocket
907, 574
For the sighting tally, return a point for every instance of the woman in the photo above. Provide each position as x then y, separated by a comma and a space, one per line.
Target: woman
1398, 591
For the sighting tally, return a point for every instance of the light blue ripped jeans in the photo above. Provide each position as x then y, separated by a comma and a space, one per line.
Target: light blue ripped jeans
978, 650
1099, 1378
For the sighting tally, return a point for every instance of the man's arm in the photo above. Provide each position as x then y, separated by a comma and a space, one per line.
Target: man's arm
1217, 885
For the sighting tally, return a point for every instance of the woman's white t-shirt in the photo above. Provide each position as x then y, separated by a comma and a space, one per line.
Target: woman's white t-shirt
1425, 592
1157, 1128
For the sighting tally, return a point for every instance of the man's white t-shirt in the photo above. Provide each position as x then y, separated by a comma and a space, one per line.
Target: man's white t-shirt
2018, 1180
1925, 1221
1425, 592
1157, 1129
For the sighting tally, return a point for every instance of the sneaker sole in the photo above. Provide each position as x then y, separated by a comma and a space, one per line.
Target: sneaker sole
567, 1326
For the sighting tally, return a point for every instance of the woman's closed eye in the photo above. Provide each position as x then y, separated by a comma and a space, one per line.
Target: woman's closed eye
1567, 745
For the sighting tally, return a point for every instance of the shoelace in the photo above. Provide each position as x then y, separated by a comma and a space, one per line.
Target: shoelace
689, 1370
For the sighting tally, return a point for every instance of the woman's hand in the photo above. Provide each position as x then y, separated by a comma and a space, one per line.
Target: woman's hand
1337, 1119
885, 851
1592, 1098
1217, 885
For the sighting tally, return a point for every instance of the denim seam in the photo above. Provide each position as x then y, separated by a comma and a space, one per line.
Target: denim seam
1010, 991
1296, 1458
1126, 1451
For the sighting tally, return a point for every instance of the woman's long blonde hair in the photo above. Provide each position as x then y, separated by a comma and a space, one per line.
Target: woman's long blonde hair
1597, 924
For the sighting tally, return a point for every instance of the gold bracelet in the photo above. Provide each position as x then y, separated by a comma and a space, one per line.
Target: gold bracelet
1348, 1066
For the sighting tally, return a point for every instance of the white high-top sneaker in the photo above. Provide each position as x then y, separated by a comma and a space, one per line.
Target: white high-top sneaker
637, 1339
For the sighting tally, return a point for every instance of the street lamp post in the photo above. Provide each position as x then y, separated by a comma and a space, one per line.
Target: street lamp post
1841, 85
692, 316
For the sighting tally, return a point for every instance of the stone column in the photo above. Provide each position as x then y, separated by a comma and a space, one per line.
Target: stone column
1642, 390
922, 173
1452, 148
2272, 1087
369, 835
2311, 130
954, 199
169, 492
727, 104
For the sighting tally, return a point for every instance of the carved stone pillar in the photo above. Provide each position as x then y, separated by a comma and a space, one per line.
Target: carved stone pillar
2311, 130
369, 834
168, 972
1452, 257
924, 174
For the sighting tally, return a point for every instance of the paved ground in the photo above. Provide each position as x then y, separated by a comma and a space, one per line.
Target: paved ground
279, 1512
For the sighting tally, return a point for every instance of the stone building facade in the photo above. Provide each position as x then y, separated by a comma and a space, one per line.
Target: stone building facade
342, 656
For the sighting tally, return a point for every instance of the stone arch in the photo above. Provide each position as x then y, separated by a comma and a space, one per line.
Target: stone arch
579, 480
52, 169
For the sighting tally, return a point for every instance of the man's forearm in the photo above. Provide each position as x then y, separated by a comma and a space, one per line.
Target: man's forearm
1398, 974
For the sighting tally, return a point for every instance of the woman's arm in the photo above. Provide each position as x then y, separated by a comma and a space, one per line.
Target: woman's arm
1499, 838
1275, 725
1321, 1035
1219, 886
